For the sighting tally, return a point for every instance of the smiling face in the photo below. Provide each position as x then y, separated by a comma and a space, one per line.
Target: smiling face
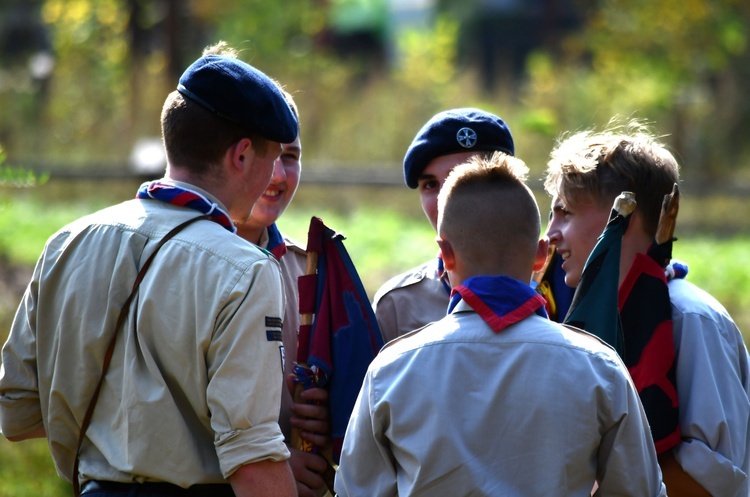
283, 185
255, 178
574, 228
277, 195
432, 179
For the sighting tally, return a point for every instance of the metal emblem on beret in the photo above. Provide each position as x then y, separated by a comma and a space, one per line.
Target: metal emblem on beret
466, 137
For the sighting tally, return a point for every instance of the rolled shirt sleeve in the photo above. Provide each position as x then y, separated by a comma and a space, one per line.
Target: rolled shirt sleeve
714, 407
245, 373
20, 407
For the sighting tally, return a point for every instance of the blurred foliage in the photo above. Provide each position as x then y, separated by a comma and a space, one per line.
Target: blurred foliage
429, 61
88, 93
682, 65
17, 177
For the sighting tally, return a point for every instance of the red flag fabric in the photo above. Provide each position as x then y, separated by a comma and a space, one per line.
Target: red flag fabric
646, 316
344, 336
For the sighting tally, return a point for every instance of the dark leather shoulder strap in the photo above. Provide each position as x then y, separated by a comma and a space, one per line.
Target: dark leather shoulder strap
111, 347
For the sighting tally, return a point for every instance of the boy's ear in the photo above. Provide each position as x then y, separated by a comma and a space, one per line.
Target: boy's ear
541, 254
447, 253
240, 153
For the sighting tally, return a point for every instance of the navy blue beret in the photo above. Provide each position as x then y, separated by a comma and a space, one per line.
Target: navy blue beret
236, 91
455, 131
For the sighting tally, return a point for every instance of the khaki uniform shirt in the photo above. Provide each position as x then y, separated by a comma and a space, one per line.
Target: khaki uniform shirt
193, 388
411, 300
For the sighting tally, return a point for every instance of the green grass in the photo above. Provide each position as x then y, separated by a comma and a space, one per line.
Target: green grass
721, 266
27, 470
386, 233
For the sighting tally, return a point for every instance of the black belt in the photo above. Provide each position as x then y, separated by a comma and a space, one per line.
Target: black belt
160, 488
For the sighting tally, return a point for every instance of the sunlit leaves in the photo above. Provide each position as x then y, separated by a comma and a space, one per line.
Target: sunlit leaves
666, 61
429, 55
85, 21
267, 33
688, 36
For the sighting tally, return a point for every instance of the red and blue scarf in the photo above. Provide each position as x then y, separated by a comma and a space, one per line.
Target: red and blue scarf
176, 195
499, 300
276, 244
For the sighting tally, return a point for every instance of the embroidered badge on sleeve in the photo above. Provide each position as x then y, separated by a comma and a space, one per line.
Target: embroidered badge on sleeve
273, 329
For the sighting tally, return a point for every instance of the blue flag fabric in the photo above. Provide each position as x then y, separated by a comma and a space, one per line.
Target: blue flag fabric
344, 336
550, 284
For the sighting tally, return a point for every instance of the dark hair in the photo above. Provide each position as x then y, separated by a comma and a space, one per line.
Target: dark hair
195, 139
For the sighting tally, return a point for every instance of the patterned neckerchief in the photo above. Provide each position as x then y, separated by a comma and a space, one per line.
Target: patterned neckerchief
276, 244
499, 300
177, 195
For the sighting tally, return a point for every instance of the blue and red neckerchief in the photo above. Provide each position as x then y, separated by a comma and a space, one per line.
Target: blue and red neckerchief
276, 244
176, 195
499, 300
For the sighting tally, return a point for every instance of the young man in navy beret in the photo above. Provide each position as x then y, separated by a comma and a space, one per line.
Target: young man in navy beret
261, 229
419, 296
190, 397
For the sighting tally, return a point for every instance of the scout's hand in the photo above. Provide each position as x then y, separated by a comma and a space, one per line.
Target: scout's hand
311, 415
308, 469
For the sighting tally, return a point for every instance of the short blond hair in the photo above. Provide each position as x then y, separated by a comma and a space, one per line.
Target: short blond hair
489, 214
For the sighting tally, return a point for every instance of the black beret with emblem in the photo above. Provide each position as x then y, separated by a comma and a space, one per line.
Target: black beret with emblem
455, 131
236, 91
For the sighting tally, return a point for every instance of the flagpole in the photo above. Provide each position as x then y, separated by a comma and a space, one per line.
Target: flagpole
296, 440
337, 339
306, 319
661, 250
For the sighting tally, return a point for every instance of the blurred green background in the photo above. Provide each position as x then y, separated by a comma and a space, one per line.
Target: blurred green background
82, 83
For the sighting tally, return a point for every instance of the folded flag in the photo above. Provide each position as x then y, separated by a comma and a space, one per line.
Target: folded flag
636, 318
646, 314
594, 305
336, 346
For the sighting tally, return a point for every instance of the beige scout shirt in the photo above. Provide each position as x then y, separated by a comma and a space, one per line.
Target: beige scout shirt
193, 388
410, 300
293, 265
